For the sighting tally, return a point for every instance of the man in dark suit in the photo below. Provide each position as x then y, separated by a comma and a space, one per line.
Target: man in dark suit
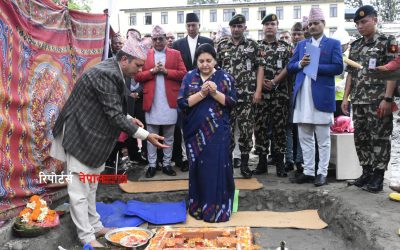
88, 127
187, 46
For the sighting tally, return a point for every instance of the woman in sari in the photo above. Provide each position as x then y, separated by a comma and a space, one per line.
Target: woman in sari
206, 97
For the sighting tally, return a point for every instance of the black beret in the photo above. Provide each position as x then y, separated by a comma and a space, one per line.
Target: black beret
237, 19
192, 18
364, 11
269, 18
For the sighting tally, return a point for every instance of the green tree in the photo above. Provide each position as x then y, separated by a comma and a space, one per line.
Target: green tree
75, 4
354, 3
387, 9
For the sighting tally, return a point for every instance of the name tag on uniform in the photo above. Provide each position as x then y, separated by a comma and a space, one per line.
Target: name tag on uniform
279, 64
372, 63
248, 64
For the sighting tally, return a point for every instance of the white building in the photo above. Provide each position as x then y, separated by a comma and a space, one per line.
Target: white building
172, 18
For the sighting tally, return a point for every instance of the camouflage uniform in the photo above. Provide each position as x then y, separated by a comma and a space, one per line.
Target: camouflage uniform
371, 134
273, 110
242, 62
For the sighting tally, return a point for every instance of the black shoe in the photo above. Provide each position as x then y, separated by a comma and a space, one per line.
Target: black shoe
150, 172
320, 180
244, 168
364, 178
280, 165
375, 183
237, 162
168, 171
302, 178
262, 166
159, 165
185, 166
289, 166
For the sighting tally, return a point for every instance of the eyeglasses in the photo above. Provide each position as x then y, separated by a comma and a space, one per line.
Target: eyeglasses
159, 39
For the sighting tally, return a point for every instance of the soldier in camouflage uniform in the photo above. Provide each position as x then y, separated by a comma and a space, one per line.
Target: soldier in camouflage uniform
273, 109
239, 57
372, 99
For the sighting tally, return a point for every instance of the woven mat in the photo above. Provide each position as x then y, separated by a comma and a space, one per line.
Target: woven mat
305, 219
176, 185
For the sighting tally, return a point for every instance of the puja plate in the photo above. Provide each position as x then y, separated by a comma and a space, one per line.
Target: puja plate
121, 236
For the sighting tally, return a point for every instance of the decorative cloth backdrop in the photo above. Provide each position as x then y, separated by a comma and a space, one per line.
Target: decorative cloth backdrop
44, 48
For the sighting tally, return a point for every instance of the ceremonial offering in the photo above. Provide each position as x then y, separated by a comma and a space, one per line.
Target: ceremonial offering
202, 238
36, 219
129, 236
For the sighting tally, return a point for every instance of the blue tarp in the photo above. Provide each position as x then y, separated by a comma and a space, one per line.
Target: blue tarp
158, 212
112, 215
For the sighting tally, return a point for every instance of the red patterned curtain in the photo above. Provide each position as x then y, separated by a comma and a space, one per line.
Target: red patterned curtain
44, 48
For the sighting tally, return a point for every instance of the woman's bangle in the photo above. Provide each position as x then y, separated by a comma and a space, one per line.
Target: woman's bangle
201, 94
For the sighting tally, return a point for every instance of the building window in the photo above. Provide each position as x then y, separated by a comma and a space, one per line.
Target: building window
228, 14
132, 19
331, 31
147, 18
164, 17
197, 12
213, 16
245, 12
261, 13
279, 13
333, 10
180, 17
180, 35
296, 12
260, 35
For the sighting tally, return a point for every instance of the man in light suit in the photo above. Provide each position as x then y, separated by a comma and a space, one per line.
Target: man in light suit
187, 46
314, 100
161, 78
88, 127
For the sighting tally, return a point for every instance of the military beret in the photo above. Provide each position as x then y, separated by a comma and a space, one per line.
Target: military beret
269, 18
237, 19
364, 11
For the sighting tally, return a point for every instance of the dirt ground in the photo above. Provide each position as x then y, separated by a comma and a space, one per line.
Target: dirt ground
356, 219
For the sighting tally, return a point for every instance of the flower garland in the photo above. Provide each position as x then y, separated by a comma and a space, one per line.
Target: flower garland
37, 211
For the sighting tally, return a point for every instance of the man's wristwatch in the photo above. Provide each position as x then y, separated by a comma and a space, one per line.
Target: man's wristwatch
152, 70
388, 99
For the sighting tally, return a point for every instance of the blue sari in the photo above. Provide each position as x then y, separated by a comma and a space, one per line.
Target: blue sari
206, 131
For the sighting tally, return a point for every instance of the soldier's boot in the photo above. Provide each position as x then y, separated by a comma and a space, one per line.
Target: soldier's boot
244, 167
375, 183
364, 178
280, 165
262, 165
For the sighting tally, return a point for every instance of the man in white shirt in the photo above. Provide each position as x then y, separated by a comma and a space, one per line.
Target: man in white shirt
314, 100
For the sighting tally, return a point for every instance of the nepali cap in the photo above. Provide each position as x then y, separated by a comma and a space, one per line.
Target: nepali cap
305, 21
316, 14
269, 18
192, 18
137, 48
364, 11
158, 31
237, 19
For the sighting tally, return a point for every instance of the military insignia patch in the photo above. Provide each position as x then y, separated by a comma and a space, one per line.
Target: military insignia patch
362, 13
273, 17
240, 19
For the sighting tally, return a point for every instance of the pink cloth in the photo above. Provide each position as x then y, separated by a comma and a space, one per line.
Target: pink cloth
394, 64
122, 137
158, 31
137, 48
342, 124
316, 14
